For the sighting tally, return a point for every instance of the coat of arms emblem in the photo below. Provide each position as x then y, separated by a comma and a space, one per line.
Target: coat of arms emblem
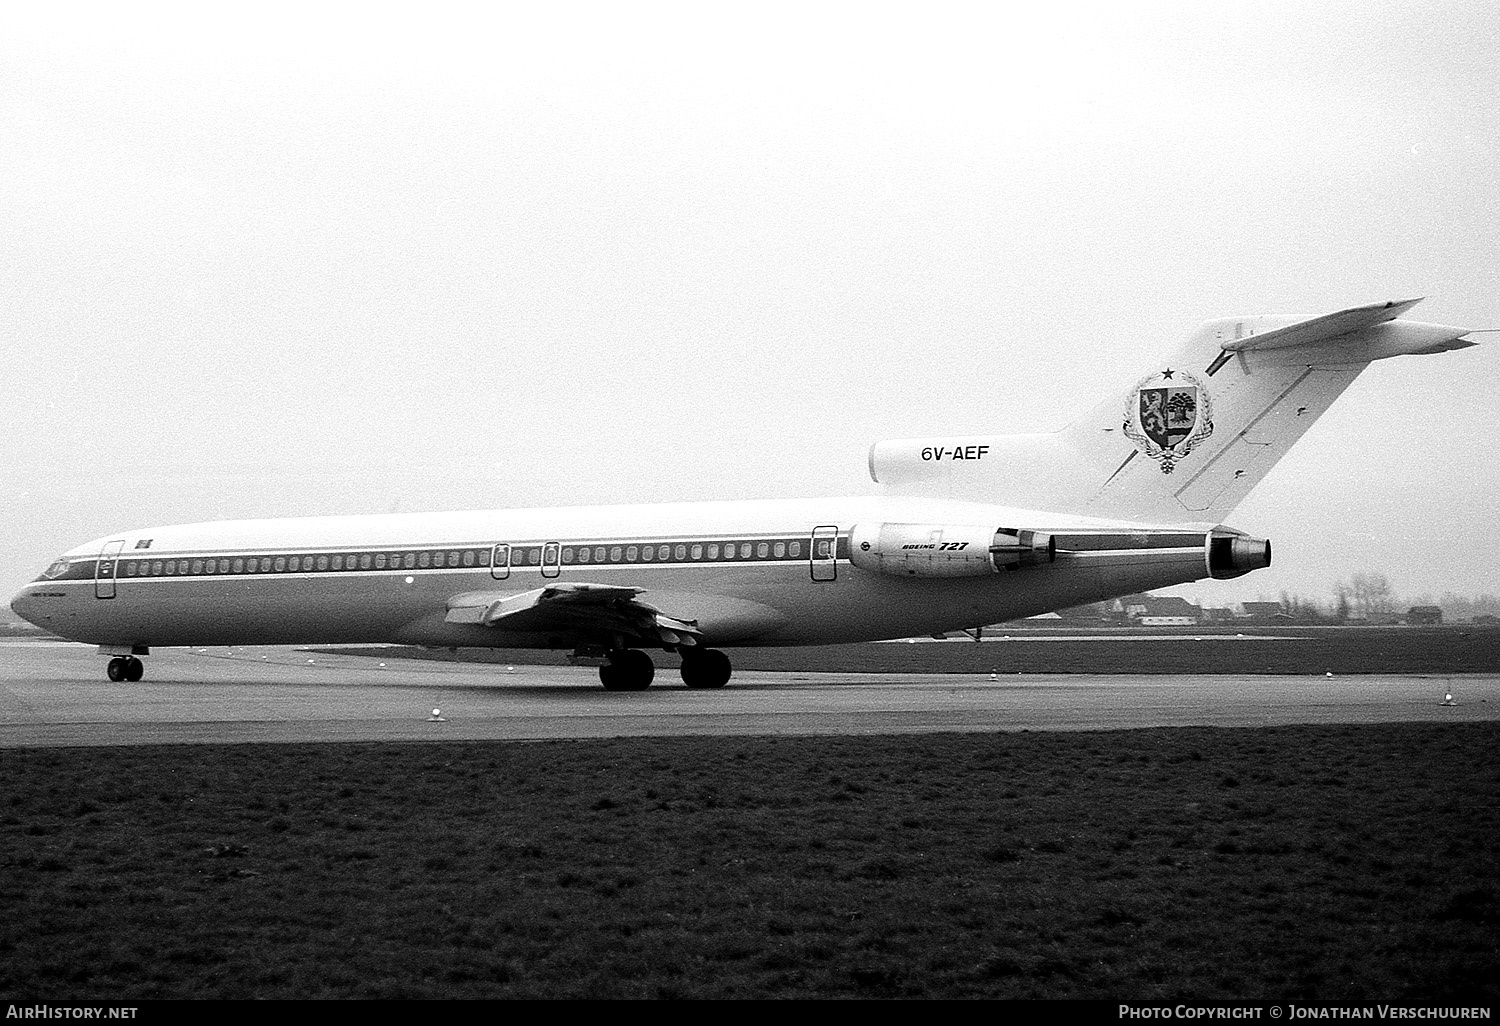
1167, 415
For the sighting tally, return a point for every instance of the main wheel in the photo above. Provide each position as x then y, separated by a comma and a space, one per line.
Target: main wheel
628, 670
611, 677
134, 669
708, 668
115, 671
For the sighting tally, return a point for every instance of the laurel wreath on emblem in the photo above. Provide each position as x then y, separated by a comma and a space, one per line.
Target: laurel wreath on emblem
1167, 415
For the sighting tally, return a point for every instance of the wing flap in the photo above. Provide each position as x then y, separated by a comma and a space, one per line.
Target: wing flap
1322, 329
575, 607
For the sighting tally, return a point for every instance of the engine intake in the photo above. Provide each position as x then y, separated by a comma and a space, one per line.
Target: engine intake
946, 550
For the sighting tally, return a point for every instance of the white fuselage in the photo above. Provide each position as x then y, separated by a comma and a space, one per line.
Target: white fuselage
747, 573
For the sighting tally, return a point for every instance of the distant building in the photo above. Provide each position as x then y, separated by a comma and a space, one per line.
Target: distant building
1263, 612
1150, 610
1424, 615
1094, 612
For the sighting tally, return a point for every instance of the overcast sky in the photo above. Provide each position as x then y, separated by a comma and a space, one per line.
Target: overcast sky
264, 260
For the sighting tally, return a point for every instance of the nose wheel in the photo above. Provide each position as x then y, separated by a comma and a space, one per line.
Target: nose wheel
126, 668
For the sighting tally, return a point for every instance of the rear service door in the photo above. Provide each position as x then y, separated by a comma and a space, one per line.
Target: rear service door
104, 573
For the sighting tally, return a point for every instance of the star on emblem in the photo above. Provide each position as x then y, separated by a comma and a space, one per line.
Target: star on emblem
1167, 374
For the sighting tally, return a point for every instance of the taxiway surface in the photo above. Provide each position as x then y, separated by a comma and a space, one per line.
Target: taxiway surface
55, 694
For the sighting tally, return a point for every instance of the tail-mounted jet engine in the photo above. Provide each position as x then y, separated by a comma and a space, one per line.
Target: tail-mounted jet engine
946, 550
1231, 554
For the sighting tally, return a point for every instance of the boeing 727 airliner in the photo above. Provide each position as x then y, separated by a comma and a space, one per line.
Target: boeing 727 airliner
966, 531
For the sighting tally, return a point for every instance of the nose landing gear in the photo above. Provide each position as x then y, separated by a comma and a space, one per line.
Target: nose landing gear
126, 668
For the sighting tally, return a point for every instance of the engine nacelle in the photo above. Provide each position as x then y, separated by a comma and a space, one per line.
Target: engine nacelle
1231, 554
946, 550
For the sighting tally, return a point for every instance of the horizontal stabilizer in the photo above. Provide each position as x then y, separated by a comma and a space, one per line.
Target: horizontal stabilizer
1445, 346
1323, 329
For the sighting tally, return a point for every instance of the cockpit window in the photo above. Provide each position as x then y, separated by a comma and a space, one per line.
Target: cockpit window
66, 569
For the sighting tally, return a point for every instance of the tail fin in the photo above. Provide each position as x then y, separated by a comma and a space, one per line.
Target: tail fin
1191, 438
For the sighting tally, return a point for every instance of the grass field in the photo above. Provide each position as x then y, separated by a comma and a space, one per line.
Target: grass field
1316, 863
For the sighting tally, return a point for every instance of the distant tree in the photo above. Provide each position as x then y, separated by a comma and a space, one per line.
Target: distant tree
1365, 595
1343, 601
1299, 608
1457, 608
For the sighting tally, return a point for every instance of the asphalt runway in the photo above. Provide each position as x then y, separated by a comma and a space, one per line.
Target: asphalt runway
56, 694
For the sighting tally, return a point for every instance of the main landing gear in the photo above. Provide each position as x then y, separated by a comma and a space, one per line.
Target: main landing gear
127, 668
631, 669
705, 668
628, 669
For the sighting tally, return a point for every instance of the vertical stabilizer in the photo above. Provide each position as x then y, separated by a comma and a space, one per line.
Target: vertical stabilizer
1190, 438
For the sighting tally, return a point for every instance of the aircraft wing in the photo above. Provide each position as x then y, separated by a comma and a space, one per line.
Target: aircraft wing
574, 606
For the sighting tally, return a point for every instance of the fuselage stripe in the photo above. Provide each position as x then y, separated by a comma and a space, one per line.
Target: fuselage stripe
512, 557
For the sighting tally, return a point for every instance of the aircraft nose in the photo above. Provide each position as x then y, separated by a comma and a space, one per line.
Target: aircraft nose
24, 606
